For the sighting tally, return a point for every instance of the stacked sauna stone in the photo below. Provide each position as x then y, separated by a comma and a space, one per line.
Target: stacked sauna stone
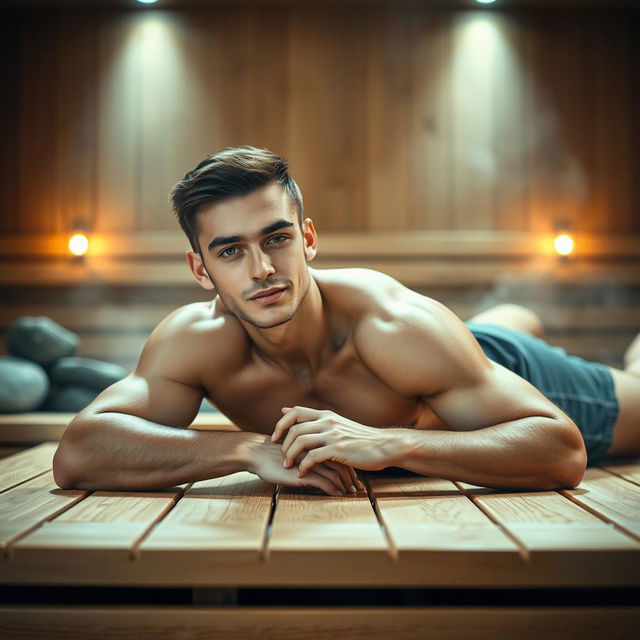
42, 373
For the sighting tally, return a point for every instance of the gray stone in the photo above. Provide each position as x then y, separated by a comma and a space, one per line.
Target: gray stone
87, 372
71, 398
23, 385
40, 339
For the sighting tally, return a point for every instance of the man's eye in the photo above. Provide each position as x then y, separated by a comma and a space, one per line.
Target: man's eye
229, 252
279, 239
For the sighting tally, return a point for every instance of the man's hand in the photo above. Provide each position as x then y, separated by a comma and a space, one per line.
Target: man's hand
324, 436
334, 479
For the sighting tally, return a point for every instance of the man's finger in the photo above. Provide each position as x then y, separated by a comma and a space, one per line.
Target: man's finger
293, 415
300, 445
314, 479
354, 478
296, 431
333, 476
346, 473
314, 457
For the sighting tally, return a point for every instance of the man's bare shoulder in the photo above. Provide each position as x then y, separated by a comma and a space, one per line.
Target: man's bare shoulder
357, 290
195, 339
411, 341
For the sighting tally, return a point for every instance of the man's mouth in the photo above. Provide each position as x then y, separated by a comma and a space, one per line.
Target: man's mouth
268, 296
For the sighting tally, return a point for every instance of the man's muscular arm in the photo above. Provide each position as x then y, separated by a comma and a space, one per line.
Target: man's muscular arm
505, 433
134, 435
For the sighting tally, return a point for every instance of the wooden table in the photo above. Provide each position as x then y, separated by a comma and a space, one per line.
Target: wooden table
226, 534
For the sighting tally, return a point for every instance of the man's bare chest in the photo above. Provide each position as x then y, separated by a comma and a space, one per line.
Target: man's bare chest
253, 398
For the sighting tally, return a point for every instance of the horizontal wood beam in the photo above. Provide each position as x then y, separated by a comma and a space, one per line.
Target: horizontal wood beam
397, 244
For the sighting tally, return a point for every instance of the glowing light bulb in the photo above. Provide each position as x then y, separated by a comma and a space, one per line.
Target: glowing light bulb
563, 244
154, 1
78, 244
485, 1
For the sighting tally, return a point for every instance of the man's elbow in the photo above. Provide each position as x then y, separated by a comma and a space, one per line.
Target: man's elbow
572, 463
67, 460
64, 473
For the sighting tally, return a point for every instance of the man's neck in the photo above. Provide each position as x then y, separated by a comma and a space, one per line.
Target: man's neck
301, 343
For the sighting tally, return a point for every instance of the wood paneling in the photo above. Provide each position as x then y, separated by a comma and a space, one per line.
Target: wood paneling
394, 116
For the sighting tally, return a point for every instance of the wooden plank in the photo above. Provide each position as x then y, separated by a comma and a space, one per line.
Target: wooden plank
11, 33
390, 136
75, 136
118, 125
106, 525
23, 466
509, 113
348, 623
222, 520
432, 525
561, 538
331, 98
472, 72
29, 504
627, 469
431, 136
38, 427
412, 272
115, 317
393, 243
611, 497
38, 200
318, 531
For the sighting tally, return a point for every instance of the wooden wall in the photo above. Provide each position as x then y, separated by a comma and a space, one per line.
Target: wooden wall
393, 117
442, 146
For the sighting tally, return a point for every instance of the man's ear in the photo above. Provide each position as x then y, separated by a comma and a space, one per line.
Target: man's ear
310, 239
198, 270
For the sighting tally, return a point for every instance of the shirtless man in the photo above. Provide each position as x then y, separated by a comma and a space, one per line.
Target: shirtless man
329, 371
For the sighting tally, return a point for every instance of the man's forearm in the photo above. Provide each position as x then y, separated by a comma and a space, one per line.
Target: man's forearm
114, 451
531, 453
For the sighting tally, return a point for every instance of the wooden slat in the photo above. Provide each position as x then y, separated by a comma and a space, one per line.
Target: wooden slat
23, 466
560, 537
142, 318
105, 525
472, 74
218, 520
29, 504
412, 272
309, 623
324, 531
30, 428
392, 244
629, 470
610, 496
432, 524
117, 155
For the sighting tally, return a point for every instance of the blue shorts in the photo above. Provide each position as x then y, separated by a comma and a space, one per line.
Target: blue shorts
583, 390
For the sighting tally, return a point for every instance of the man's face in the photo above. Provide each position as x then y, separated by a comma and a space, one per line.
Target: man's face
255, 254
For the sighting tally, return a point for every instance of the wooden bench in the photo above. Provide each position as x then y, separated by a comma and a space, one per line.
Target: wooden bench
227, 534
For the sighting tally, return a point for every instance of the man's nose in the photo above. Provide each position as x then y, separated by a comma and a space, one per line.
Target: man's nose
261, 267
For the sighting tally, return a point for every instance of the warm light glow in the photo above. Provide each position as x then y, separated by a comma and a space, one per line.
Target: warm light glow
78, 244
563, 244
154, 1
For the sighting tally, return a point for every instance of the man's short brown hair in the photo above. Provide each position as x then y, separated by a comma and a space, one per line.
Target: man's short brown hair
229, 173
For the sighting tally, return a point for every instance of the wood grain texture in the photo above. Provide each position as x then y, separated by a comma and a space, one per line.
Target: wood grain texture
393, 116
610, 496
25, 465
30, 504
226, 517
309, 623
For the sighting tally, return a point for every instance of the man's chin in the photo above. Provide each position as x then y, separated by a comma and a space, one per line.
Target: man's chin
266, 324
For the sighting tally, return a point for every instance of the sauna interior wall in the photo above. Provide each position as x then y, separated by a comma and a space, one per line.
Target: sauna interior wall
394, 117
